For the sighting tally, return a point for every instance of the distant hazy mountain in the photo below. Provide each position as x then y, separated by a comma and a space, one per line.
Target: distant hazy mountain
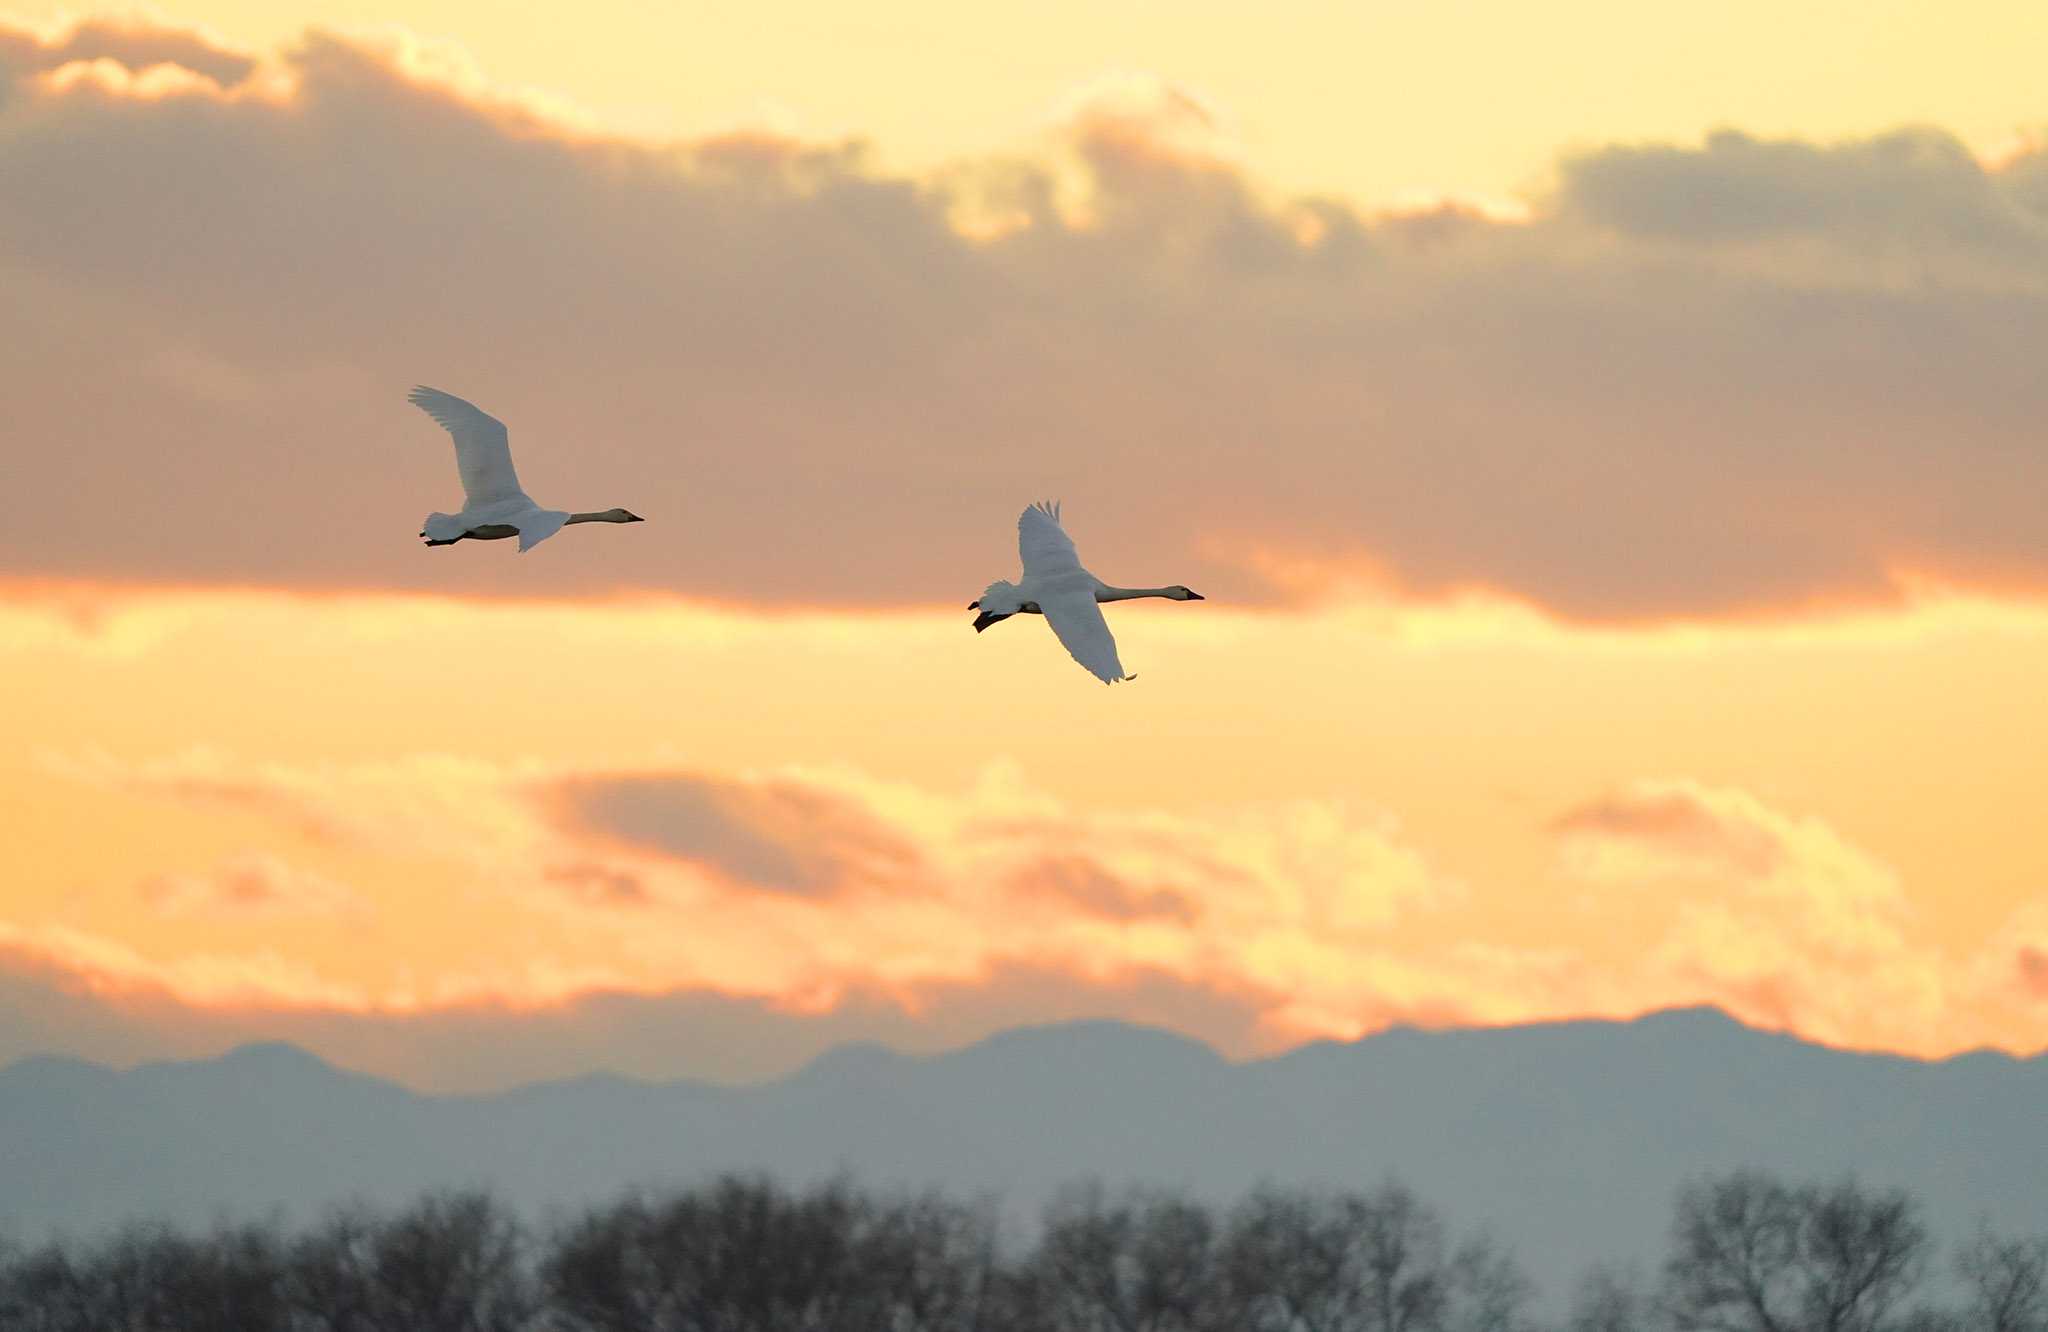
1566, 1140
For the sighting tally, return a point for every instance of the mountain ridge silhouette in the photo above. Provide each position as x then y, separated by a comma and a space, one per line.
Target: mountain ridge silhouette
1566, 1140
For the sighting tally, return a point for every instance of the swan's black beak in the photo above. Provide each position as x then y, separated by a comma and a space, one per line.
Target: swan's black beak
985, 619
972, 605
1195, 596
634, 518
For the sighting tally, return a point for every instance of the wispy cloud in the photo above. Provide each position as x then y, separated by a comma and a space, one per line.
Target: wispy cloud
1089, 886
776, 835
253, 885
1669, 827
600, 884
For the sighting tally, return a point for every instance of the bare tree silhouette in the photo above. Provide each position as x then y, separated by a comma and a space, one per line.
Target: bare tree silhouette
330, 1273
1751, 1253
2007, 1280
1397, 1248
1488, 1290
931, 1265
746, 1255
148, 1277
1144, 1262
1610, 1299
743, 1256
452, 1262
1287, 1263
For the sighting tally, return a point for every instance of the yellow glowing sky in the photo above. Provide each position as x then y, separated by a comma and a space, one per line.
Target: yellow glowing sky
236, 803
1909, 742
1917, 735
1372, 99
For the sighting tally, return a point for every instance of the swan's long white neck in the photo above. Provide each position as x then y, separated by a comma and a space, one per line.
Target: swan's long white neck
608, 516
1108, 593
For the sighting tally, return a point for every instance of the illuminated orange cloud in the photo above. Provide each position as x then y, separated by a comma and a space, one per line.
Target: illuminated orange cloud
829, 385
2011, 970
1780, 919
111, 971
851, 906
754, 870
2031, 965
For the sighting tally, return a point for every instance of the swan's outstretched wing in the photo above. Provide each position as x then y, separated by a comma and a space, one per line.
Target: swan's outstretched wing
538, 526
1078, 621
482, 451
1042, 543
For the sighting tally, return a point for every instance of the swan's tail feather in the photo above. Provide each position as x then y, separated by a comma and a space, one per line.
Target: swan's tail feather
1000, 602
1001, 597
442, 528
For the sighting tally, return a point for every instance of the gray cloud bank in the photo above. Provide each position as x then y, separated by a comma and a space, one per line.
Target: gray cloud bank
1699, 381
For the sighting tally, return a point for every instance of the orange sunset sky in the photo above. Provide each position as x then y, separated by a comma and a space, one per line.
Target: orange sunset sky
1613, 444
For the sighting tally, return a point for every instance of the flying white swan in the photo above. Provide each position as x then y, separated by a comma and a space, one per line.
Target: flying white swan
493, 505
1057, 587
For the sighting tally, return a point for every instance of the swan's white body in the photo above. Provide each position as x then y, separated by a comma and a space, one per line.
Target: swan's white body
493, 505
1056, 586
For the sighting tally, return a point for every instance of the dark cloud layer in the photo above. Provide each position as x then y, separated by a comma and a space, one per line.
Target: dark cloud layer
1702, 380
1914, 189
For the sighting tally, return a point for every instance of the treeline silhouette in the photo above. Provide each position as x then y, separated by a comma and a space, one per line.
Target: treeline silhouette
1748, 1252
